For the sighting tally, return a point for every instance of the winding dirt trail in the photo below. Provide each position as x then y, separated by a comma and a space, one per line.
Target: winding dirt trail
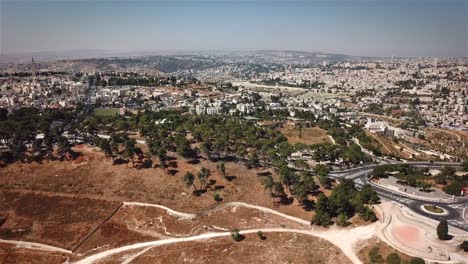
343, 238
347, 249
35, 246
219, 207
334, 235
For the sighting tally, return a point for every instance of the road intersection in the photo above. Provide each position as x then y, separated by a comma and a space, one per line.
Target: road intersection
457, 208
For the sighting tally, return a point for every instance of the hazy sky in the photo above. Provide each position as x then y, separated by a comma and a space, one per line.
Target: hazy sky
357, 27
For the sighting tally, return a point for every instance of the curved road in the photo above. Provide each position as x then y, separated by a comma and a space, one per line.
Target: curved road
456, 209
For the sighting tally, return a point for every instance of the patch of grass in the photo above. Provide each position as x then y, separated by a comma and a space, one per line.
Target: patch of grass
106, 111
434, 209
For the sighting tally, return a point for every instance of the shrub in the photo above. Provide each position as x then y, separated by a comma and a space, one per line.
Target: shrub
393, 258
342, 220
322, 219
235, 234
415, 260
216, 197
374, 255
367, 214
261, 235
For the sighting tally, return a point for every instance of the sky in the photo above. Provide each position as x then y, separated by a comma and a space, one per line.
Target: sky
407, 28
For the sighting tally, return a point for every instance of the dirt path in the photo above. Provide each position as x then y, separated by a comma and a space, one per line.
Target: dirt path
61, 194
35, 246
334, 235
219, 207
345, 247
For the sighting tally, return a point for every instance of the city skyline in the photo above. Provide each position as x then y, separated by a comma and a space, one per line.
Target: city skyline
362, 28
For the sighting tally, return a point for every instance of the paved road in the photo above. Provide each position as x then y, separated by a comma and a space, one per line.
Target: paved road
455, 209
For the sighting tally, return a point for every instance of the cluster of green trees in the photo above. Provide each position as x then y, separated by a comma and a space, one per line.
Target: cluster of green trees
344, 202
393, 258
20, 127
453, 184
343, 136
120, 146
202, 177
217, 137
409, 175
417, 177
375, 108
299, 185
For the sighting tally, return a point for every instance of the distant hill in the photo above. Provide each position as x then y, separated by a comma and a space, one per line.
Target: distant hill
158, 62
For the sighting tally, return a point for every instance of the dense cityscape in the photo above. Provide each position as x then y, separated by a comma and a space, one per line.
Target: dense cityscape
143, 132
392, 129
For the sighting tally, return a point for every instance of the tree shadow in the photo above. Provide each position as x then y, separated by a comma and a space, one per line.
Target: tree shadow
230, 178
146, 164
264, 174
229, 159
169, 158
308, 205
172, 164
193, 161
119, 161
199, 192
285, 200
172, 172
218, 187
211, 182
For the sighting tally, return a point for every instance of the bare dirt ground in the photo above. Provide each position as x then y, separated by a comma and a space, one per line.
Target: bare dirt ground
53, 220
384, 250
138, 224
276, 248
98, 178
11, 254
452, 142
60, 202
310, 136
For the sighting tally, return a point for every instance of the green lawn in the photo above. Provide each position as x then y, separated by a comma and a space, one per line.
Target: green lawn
106, 111
434, 209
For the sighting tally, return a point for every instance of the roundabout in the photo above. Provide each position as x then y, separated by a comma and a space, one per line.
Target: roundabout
434, 209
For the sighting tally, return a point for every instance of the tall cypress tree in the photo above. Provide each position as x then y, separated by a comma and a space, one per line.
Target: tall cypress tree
442, 230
